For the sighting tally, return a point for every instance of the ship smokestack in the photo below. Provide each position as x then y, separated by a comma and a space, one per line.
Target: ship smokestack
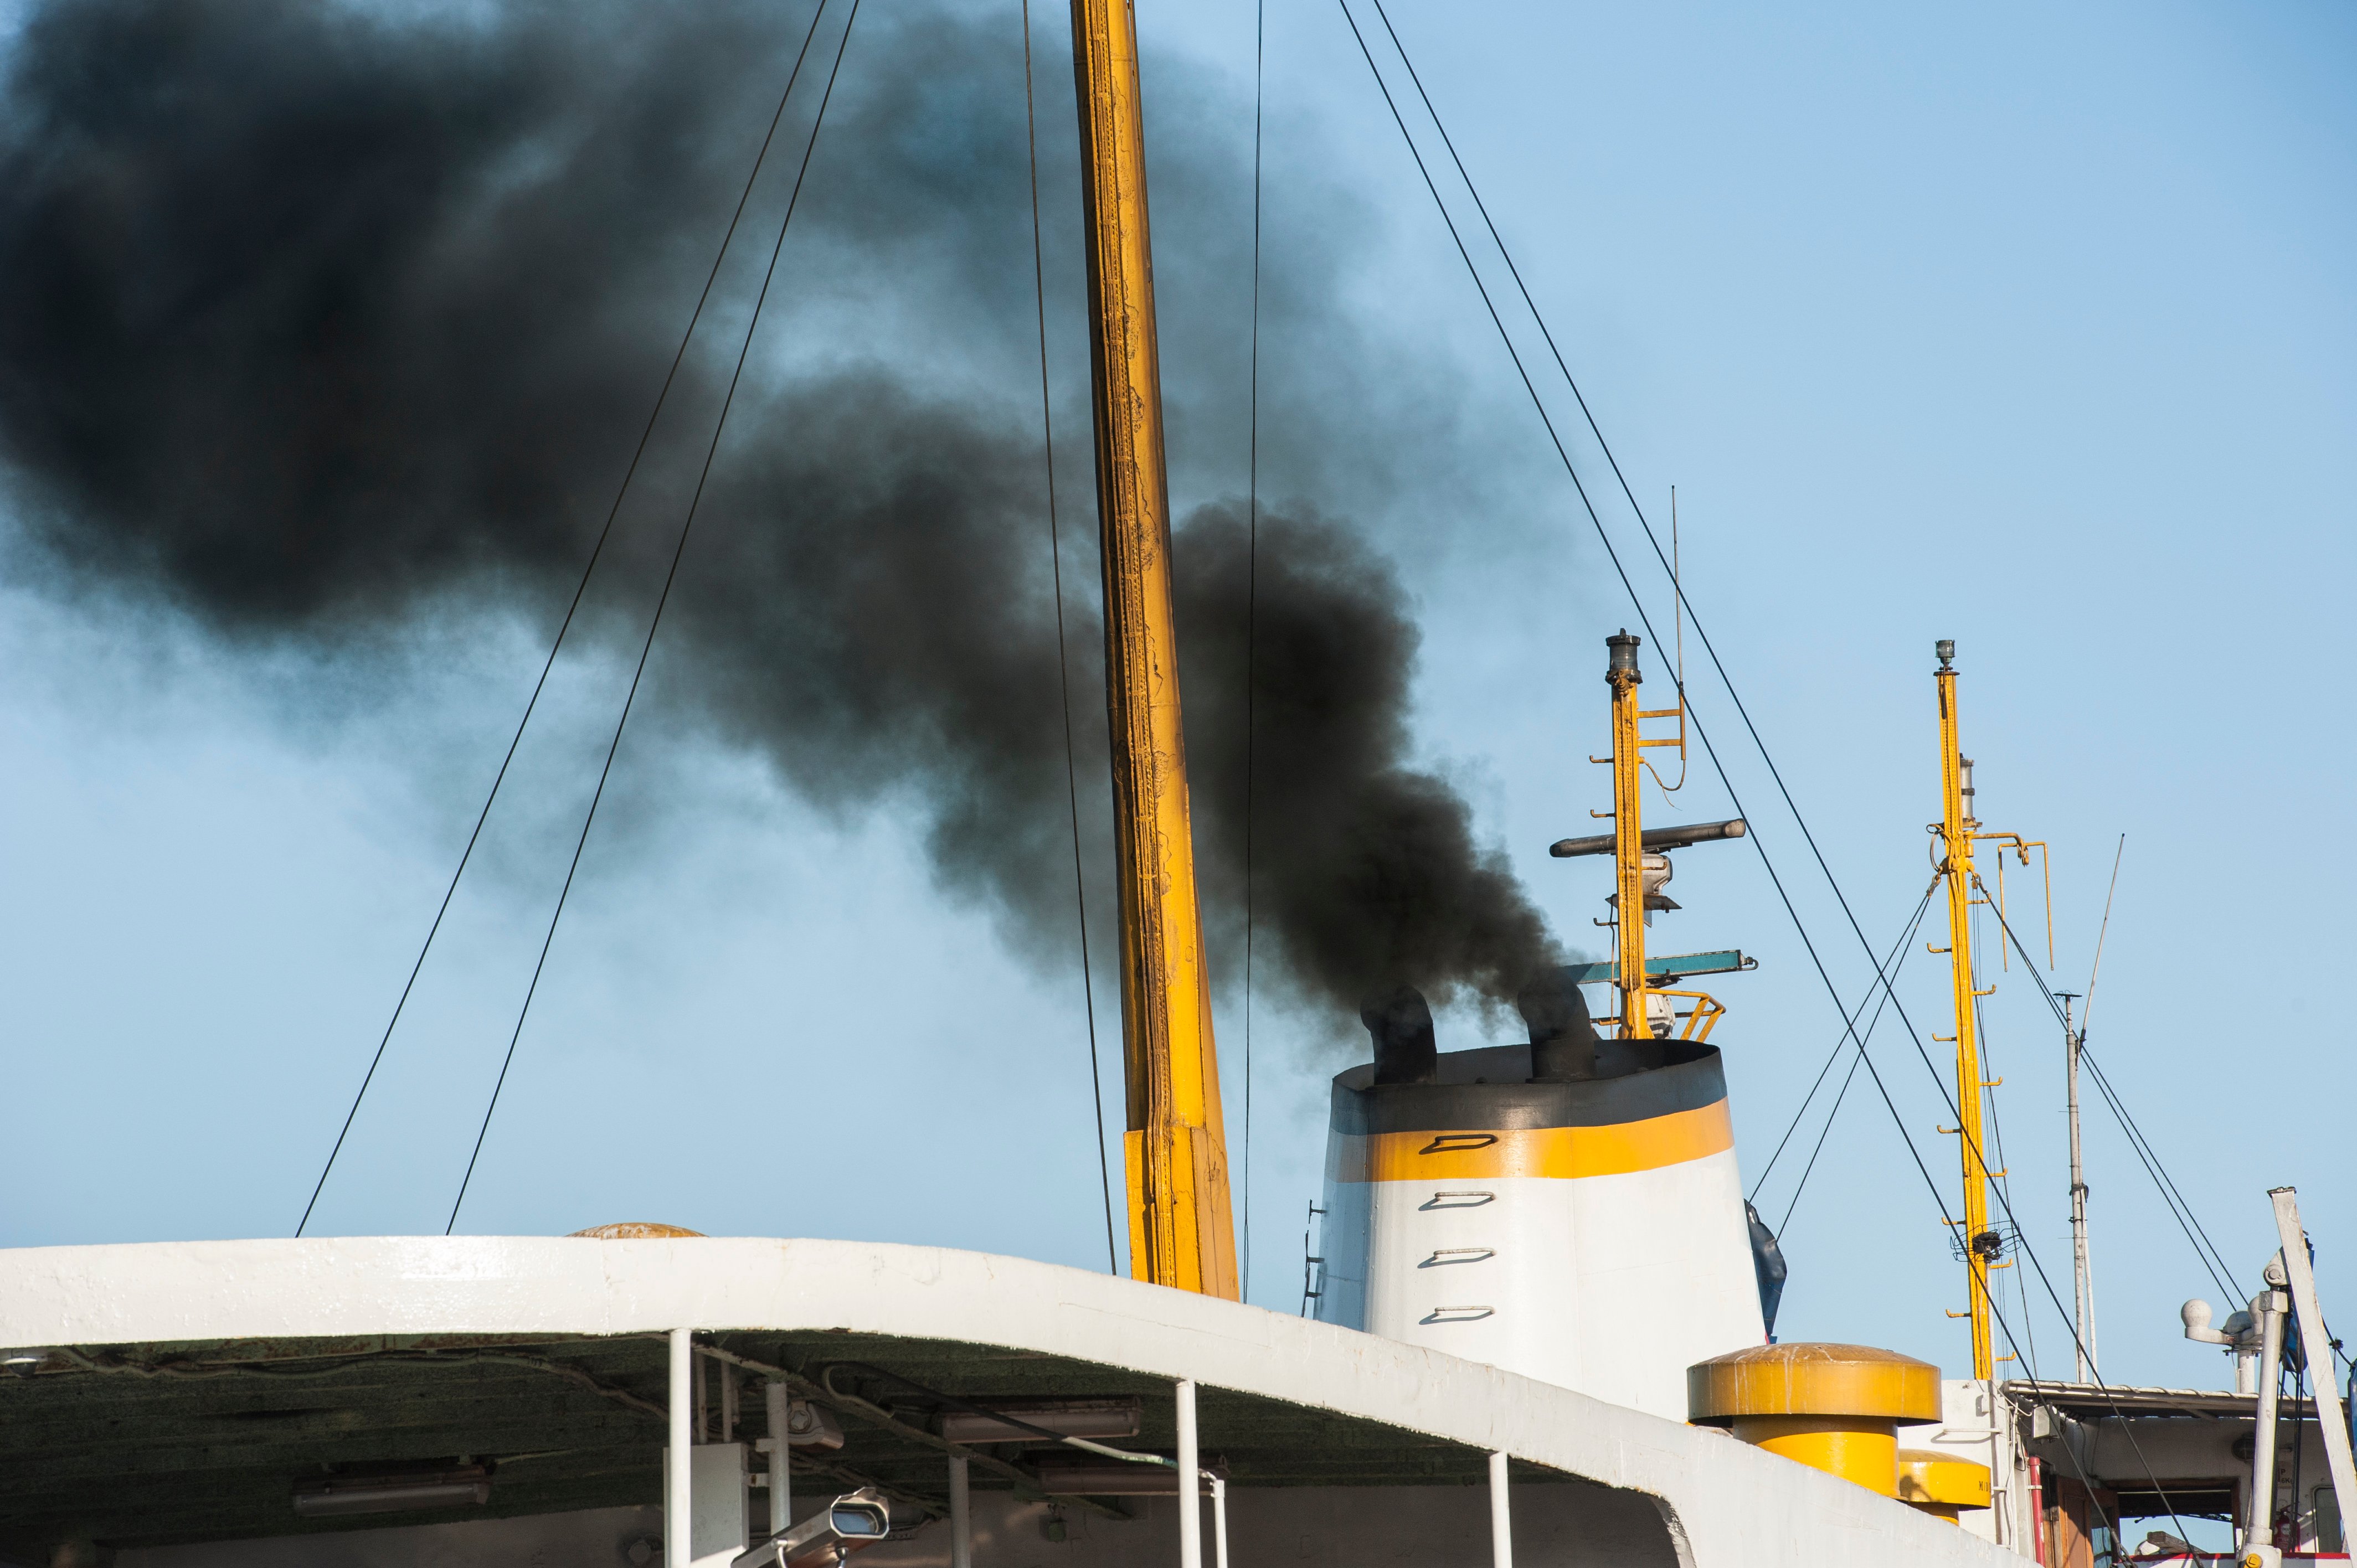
1401, 1023
1563, 1037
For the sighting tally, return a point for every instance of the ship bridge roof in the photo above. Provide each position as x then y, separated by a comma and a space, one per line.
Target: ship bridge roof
189, 1387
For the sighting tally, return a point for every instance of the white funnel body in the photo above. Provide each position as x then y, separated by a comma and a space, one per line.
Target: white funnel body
1588, 1233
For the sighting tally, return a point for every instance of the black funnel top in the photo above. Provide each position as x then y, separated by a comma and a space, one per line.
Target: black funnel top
1563, 1037
1401, 1023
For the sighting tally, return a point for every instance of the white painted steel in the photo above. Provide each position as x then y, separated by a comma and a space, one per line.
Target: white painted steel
1976, 1424
2312, 1332
1501, 1516
1219, 1522
960, 1515
679, 1481
1190, 1482
778, 1400
2259, 1528
1611, 1284
1727, 1504
716, 1502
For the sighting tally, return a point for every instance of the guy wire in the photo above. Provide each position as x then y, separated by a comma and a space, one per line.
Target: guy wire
565, 625
1252, 612
1701, 732
669, 578
1063, 667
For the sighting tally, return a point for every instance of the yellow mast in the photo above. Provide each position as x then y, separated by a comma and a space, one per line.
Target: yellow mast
1628, 834
1174, 1151
1957, 829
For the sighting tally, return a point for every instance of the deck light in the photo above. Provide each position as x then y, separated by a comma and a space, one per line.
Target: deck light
25, 1360
1946, 648
852, 1522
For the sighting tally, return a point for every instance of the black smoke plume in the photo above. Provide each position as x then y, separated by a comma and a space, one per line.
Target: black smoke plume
317, 321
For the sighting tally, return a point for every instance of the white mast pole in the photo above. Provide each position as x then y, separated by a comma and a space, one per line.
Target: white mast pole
2259, 1529
2083, 1283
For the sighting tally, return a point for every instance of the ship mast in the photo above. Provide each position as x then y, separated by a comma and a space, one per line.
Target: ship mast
2083, 1288
1957, 829
1628, 834
1174, 1151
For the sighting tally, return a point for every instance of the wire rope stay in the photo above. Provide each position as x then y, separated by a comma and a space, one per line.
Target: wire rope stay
654, 623
1063, 662
1677, 589
1701, 731
1251, 606
1906, 947
589, 569
1848, 1021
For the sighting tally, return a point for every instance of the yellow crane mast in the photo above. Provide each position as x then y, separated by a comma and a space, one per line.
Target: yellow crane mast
1175, 1151
1958, 830
1957, 827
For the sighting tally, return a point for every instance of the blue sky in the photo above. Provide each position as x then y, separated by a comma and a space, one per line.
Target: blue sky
2033, 330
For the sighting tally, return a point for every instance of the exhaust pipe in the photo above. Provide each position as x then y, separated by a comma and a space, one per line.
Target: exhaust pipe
1401, 1023
1562, 1036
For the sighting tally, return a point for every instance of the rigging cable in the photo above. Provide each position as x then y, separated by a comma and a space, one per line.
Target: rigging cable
1906, 947
1252, 608
1063, 667
2171, 1196
2004, 1173
671, 576
1849, 1020
1701, 732
1676, 587
596, 552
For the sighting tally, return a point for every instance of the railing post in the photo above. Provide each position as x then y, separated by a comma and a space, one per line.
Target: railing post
781, 1492
961, 1516
679, 1474
1502, 1523
1190, 1515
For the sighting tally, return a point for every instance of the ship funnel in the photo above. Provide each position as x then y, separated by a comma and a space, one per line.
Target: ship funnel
1563, 1037
1401, 1022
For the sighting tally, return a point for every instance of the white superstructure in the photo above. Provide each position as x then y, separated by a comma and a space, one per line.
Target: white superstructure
1714, 1502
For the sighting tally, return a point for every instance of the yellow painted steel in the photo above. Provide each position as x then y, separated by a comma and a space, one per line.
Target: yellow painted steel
1855, 1450
1836, 1408
1628, 841
1938, 1483
1561, 1153
1956, 832
1175, 1151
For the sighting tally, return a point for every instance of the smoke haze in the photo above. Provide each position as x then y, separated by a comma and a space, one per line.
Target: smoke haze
317, 322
